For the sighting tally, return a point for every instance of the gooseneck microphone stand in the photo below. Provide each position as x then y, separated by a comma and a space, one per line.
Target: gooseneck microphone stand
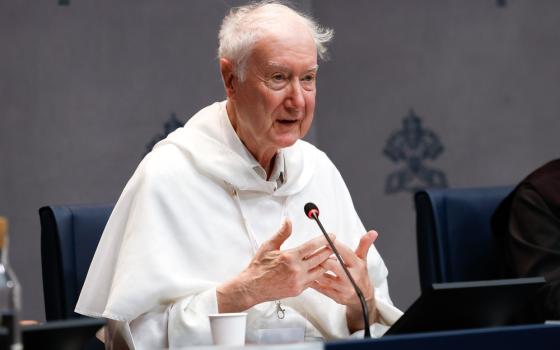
312, 212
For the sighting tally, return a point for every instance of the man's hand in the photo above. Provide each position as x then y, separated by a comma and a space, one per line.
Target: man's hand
274, 274
335, 284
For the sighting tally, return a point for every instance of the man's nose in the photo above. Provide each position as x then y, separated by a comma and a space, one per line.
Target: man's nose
295, 99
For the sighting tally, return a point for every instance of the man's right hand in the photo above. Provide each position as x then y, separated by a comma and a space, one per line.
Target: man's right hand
274, 274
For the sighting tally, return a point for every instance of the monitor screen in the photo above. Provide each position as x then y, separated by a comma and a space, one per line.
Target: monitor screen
462, 305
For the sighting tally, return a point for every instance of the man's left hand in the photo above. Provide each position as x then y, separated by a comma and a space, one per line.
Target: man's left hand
335, 284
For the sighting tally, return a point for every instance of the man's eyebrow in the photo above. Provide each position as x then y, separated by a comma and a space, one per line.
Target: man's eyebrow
315, 67
276, 65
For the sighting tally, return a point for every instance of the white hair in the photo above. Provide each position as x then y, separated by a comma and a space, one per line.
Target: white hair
243, 26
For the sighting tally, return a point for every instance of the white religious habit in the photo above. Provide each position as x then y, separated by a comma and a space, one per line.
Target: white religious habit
192, 216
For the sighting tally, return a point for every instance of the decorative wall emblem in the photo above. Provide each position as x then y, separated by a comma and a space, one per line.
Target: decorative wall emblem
168, 127
413, 145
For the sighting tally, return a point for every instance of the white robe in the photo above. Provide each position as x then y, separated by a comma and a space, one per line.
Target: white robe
184, 224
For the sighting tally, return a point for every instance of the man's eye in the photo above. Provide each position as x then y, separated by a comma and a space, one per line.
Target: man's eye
277, 81
278, 77
309, 78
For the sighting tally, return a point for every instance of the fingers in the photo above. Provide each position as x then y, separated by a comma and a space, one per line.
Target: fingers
317, 258
309, 247
316, 273
329, 280
365, 243
347, 254
334, 266
281, 236
335, 284
323, 289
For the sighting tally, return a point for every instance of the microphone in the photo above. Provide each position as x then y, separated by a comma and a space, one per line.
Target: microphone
312, 212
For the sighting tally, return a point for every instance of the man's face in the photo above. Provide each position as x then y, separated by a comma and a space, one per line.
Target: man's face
275, 103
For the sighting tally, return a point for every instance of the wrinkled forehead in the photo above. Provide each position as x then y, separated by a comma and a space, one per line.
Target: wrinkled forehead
283, 56
284, 48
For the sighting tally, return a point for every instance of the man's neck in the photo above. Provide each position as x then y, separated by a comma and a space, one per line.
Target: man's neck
265, 157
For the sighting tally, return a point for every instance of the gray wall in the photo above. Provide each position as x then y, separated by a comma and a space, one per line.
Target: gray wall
484, 78
84, 88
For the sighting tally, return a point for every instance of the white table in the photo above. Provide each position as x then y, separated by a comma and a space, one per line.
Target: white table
296, 346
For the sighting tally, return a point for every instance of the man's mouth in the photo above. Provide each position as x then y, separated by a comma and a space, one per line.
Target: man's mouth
287, 121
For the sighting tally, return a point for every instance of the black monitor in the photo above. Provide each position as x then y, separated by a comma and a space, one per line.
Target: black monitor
462, 305
72, 334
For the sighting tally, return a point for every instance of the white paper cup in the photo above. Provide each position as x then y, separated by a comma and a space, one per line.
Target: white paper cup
228, 328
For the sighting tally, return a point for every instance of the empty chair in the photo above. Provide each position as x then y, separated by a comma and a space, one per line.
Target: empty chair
454, 235
69, 238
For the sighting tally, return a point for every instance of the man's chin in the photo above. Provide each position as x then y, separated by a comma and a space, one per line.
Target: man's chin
286, 141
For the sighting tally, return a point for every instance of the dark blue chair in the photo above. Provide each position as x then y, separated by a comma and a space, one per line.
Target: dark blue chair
69, 238
454, 235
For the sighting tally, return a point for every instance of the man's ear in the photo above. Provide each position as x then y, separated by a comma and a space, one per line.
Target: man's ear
228, 77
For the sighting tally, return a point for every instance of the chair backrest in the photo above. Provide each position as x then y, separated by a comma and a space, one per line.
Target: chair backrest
69, 237
454, 234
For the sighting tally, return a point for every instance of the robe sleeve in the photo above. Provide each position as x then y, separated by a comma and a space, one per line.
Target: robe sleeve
180, 323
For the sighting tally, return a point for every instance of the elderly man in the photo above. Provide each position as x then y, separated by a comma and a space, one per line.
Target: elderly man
212, 220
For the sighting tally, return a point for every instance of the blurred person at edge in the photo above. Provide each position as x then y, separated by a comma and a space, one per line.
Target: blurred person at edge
527, 228
212, 220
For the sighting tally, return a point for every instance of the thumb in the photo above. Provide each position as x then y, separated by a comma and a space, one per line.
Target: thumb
282, 235
365, 243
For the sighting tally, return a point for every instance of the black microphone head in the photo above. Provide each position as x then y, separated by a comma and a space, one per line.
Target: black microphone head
311, 210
